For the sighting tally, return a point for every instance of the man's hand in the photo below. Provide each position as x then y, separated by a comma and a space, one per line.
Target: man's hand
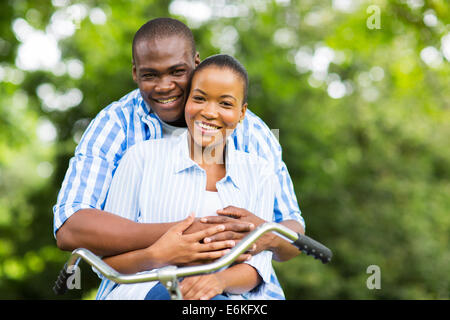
234, 230
265, 242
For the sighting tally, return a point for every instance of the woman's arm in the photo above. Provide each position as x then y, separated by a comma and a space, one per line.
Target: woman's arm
240, 278
173, 248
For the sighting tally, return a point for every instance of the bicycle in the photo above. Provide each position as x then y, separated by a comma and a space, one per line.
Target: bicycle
169, 275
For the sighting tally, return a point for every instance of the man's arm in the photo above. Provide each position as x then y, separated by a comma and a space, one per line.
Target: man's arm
282, 249
107, 234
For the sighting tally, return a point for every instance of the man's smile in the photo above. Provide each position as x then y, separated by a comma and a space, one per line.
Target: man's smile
167, 100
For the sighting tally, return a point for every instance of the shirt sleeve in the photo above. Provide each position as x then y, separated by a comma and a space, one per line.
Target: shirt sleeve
253, 136
90, 171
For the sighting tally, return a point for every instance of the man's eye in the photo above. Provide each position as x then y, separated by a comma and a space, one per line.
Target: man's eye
179, 72
149, 76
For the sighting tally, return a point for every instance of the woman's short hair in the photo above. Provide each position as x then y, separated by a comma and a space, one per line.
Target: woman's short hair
228, 62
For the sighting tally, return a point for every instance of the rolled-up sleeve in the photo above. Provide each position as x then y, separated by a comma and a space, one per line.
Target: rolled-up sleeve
90, 171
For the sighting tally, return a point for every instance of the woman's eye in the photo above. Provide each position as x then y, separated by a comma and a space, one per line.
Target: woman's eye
198, 98
227, 104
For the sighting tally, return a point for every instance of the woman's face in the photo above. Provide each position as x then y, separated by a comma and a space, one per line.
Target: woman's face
215, 105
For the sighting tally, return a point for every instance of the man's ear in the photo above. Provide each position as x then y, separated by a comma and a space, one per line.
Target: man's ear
134, 73
197, 59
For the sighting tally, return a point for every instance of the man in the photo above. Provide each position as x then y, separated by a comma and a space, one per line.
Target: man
164, 57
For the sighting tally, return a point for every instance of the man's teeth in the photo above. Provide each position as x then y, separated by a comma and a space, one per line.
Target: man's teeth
164, 101
207, 126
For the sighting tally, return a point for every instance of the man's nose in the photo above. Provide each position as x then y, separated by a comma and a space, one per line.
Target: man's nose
164, 85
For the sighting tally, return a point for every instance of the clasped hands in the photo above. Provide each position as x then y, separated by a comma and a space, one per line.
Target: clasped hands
202, 240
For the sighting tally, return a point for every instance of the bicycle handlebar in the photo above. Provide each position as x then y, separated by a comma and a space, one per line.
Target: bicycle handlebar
302, 242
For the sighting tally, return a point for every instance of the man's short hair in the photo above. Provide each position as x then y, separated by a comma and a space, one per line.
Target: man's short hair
163, 28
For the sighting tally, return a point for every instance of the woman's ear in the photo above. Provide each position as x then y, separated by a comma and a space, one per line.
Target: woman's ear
243, 110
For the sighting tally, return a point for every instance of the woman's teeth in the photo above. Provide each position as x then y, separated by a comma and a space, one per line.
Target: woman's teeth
165, 101
207, 126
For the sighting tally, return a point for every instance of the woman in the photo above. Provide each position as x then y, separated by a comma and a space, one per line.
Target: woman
197, 172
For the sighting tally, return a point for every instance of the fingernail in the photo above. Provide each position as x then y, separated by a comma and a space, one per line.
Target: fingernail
207, 240
251, 225
231, 243
203, 220
221, 227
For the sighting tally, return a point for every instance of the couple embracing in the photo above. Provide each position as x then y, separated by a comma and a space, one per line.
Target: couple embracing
176, 172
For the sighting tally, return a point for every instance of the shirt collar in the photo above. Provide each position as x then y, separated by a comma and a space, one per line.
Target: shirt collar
143, 109
183, 160
233, 159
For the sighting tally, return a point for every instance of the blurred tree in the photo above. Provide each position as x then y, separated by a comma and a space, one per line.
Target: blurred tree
363, 115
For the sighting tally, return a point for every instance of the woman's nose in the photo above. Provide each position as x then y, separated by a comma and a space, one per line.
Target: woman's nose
209, 111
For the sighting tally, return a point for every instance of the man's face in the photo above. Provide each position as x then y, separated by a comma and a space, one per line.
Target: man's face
161, 69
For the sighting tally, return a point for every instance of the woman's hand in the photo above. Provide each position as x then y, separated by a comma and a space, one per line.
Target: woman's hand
202, 287
237, 279
177, 248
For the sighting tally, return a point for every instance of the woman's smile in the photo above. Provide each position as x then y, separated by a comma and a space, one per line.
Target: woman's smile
214, 106
207, 128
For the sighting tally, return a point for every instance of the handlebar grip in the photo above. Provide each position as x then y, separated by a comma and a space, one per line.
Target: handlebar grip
60, 286
313, 248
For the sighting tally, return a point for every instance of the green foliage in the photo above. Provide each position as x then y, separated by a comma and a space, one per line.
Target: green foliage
371, 167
